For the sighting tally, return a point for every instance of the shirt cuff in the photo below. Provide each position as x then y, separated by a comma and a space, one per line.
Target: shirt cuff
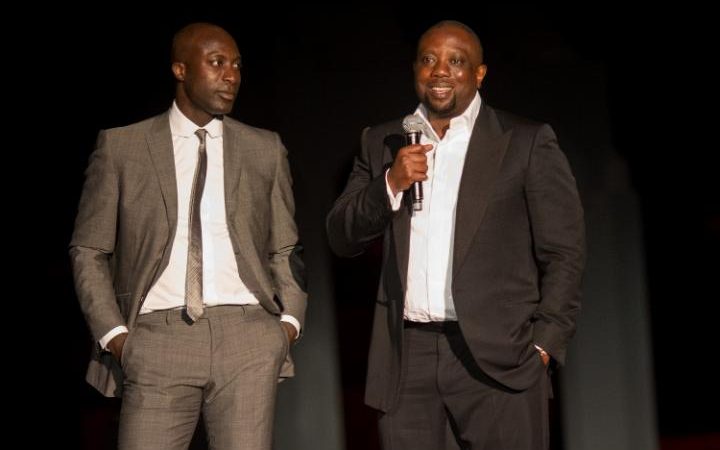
105, 340
292, 321
395, 200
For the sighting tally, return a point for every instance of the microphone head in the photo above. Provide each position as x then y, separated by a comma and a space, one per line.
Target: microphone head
412, 123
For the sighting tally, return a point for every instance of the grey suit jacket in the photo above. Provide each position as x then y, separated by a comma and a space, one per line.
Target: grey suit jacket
518, 253
128, 215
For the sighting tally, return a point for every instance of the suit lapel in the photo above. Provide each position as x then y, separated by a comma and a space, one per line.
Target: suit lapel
232, 164
401, 220
485, 154
159, 141
401, 231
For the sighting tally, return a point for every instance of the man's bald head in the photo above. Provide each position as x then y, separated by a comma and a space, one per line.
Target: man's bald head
473, 37
206, 65
190, 35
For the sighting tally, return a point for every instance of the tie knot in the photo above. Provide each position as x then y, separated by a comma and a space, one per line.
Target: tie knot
200, 133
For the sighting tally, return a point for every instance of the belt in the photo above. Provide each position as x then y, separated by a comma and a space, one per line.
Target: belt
433, 327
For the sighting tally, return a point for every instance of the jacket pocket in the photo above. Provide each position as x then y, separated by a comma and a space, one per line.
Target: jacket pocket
126, 349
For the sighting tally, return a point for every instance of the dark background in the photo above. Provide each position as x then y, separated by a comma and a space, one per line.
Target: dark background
318, 75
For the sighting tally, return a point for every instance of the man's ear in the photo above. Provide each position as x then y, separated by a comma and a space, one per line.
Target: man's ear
480, 72
178, 70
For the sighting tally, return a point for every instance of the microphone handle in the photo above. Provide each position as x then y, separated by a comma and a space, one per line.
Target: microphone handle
413, 137
417, 196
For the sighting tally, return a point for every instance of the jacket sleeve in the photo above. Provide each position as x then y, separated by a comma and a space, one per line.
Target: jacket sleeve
363, 211
93, 242
286, 265
558, 233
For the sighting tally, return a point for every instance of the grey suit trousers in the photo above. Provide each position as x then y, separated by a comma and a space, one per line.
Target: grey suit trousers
225, 365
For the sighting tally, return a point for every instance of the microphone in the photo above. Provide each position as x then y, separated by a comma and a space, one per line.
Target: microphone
414, 126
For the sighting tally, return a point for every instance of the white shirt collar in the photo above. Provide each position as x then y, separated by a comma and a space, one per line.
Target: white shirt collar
180, 125
465, 120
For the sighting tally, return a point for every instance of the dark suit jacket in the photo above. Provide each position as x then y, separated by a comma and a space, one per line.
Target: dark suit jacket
127, 218
518, 254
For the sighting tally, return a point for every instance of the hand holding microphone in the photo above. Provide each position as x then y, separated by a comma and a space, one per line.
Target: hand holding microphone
410, 165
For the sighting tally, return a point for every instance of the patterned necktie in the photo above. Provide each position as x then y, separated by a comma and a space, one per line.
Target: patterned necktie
194, 274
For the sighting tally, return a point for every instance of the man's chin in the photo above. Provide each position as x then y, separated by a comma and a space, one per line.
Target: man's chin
223, 105
220, 111
440, 109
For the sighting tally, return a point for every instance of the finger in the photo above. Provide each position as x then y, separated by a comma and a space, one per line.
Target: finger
411, 149
418, 176
416, 159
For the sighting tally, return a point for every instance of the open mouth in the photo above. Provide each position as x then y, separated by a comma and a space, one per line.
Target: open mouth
440, 91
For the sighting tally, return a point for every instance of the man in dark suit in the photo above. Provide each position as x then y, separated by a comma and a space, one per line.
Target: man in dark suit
185, 258
479, 289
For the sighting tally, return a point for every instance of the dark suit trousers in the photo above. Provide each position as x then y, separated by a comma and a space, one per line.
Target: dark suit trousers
447, 402
224, 365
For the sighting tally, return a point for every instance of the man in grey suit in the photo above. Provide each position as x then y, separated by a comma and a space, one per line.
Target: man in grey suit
480, 288
186, 262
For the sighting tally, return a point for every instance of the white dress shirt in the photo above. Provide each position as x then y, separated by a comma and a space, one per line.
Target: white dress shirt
428, 295
221, 283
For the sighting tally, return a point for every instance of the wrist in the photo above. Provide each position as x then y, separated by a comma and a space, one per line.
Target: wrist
391, 184
545, 356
